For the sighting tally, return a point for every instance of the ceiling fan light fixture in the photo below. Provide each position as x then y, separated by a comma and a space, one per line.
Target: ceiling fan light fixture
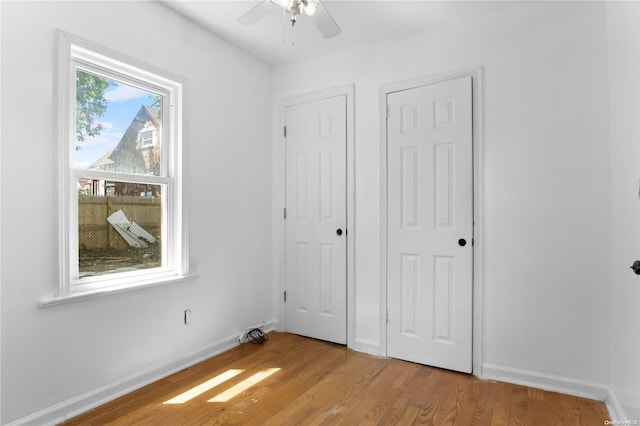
310, 7
298, 7
295, 7
322, 19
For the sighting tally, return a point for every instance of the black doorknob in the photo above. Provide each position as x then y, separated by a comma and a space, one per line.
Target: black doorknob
636, 267
462, 242
339, 231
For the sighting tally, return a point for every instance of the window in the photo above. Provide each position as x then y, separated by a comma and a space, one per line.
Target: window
120, 213
146, 138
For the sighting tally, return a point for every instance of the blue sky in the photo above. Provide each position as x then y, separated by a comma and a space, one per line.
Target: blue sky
124, 101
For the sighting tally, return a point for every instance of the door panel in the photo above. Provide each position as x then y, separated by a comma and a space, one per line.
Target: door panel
430, 212
316, 267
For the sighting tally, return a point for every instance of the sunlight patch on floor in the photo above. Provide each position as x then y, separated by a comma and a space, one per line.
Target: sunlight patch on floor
203, 387
243, 385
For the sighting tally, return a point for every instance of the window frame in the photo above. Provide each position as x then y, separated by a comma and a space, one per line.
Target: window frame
74, 53
143, 140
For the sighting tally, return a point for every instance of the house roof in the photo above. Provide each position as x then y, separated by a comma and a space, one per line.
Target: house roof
102, 161
153, 113
125, 151
144, 114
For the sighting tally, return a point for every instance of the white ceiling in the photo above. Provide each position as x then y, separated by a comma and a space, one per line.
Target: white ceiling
361, 21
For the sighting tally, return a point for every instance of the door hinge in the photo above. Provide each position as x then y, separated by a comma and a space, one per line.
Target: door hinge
285, 213
284, 131
387, 112
387, 316
285, 296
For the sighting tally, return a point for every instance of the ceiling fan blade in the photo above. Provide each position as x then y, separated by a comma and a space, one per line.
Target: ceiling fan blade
325, 22
256, 13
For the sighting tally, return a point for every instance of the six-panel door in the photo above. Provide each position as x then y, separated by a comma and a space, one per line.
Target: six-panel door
430, 224
316, 243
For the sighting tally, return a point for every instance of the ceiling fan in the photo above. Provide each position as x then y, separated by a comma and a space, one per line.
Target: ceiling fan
295, 8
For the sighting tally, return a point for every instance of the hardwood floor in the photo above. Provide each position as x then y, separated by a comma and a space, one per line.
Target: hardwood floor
319, 383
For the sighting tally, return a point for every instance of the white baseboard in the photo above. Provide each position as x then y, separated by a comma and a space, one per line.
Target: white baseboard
550, 382
366, 346
554, 383
615, 408
94, 398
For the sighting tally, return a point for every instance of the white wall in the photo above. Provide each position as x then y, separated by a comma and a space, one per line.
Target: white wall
88, 349
546, 218
623, 19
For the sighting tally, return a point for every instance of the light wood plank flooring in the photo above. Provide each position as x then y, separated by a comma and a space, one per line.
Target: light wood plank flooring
319, 383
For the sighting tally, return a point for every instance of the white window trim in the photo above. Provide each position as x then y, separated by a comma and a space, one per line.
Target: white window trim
72, 50
142, 140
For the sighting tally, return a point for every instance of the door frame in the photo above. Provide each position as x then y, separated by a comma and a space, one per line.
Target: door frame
279, 259
476, 75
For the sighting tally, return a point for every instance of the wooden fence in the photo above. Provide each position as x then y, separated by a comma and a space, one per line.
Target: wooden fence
94, 232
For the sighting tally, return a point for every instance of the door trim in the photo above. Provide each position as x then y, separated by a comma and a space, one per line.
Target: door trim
476, 75
279, 201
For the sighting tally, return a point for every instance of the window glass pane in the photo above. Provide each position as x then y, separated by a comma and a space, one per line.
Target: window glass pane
118, 126
119, 226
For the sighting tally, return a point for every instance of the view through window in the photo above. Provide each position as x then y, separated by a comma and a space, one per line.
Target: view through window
118, 151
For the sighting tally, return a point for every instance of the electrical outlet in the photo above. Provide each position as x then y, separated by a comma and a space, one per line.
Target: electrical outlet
187, 316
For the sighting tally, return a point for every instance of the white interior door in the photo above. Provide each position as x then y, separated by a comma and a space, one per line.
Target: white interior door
316, 216
430, 224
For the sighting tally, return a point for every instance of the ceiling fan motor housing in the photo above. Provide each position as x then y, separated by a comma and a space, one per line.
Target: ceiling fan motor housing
321, 16
298, 7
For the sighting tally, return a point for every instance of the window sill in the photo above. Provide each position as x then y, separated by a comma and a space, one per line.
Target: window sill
93, 294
